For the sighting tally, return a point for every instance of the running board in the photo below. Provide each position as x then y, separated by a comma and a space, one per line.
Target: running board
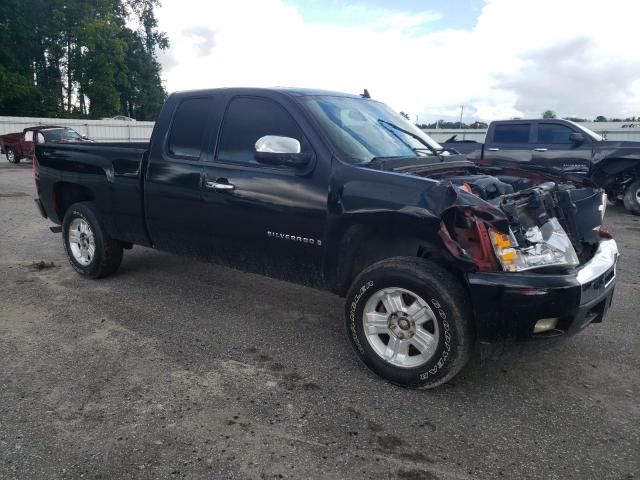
56, 229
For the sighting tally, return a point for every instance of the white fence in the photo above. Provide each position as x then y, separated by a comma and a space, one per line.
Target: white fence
123, 131
98, 130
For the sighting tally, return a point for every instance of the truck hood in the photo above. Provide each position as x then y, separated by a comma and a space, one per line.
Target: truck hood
615, 144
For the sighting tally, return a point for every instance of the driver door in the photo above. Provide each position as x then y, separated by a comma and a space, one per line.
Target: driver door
263, 218
554, 148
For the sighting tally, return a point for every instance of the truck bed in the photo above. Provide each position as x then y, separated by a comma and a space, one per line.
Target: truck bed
464, 147
110, 171
9, 139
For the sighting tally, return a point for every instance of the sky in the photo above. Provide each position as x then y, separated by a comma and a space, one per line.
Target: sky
499, 58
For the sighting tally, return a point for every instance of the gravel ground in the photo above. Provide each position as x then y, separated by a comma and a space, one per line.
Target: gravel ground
178, 369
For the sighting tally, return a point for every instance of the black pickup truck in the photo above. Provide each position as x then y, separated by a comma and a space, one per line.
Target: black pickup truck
435, 255
563, 145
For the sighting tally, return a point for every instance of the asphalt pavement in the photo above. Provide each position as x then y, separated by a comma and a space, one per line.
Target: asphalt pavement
174, 368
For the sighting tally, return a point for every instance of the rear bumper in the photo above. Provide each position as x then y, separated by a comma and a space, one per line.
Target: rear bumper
508, 305
40, 207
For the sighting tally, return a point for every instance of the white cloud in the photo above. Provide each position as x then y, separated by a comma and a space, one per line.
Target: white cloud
579, 57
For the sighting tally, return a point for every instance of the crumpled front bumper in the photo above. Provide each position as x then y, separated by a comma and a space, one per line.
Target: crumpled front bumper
507, 305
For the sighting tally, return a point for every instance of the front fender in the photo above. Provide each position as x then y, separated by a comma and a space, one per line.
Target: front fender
606, 172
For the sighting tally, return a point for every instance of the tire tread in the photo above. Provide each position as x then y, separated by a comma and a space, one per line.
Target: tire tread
456, 295
110, 254
630, 200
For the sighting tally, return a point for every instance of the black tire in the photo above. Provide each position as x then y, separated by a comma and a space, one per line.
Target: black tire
108, 252
11, 155
449, 303
631, 198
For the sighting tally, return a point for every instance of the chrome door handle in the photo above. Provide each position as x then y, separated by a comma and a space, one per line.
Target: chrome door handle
218, 186
493, 149
541, 149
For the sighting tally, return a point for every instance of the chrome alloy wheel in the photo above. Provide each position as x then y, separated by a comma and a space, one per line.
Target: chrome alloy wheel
11, 156
400, 327
81, 241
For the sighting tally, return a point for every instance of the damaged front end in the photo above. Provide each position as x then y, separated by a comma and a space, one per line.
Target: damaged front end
548, 227
538, 263
529, 243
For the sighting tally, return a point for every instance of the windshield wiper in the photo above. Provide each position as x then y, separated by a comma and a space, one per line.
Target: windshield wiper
427, 148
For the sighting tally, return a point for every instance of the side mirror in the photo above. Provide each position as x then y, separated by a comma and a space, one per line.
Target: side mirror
577, 137
276, 150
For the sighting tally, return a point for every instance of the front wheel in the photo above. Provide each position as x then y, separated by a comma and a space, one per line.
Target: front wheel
91, 252
410, 322
11, 156
631, 198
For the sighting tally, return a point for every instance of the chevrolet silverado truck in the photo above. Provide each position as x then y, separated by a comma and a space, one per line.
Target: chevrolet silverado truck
563, 145
17, 146
435, 255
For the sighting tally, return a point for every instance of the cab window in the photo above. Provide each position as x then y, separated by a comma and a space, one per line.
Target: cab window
188, 128
554, 133
248, 119
511, 133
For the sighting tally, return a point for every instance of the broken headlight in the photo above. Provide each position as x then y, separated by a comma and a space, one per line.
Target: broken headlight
546, 246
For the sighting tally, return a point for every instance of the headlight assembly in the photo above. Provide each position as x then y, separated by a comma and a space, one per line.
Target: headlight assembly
548, 246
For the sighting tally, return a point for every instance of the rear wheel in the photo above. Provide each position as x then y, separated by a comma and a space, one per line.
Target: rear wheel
631, 198
11, 156
91, 252
410, 322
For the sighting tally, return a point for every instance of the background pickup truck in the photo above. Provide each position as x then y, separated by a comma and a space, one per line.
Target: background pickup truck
565, 145
434, 254
17, 146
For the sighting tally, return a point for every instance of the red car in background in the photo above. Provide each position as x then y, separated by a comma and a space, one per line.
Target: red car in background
17, 146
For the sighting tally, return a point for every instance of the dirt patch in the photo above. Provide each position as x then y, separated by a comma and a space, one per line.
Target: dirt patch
416, 475
41, 265
389, 442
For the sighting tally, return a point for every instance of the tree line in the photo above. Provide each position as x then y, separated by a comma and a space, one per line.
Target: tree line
80, 58
453, 125
599, 118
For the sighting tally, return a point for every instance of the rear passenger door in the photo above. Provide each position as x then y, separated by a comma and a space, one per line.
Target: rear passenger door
553, 147
173, 200
268, 219
510, 143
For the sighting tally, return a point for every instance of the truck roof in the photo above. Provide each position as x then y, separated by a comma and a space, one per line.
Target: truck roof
291, 91
516, 120
47, 127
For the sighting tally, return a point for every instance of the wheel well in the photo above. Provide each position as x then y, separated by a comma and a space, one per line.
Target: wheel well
613, 174
364, 245
66, 194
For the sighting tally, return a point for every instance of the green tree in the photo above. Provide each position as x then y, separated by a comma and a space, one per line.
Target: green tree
548, 114
101, 62
80, 58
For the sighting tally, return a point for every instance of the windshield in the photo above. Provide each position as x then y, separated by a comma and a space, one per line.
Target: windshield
590, 133
63, 135
363, 129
